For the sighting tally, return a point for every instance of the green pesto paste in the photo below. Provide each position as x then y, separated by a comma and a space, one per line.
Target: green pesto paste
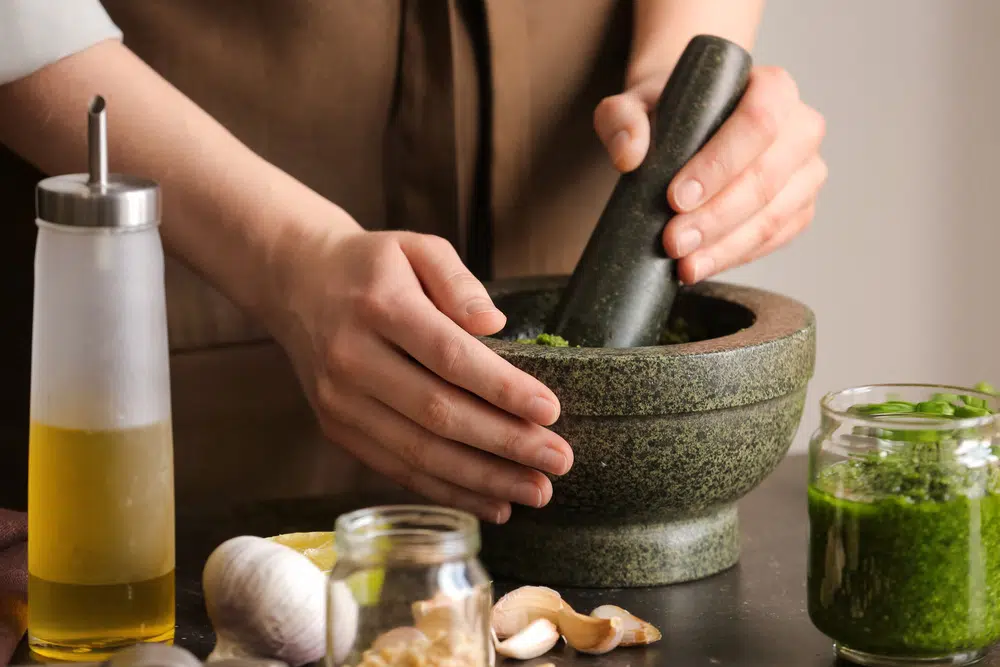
550, 340
679, 331
904, 555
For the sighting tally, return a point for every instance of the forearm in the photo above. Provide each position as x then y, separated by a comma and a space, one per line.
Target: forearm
229, 214
663, 28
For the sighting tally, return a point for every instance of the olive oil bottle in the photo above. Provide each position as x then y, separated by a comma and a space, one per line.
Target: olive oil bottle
100, 468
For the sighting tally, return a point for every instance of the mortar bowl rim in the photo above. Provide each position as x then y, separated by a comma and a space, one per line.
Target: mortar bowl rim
776, 317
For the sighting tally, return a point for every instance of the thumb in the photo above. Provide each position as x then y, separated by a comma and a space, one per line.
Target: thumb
622, 123
450, 286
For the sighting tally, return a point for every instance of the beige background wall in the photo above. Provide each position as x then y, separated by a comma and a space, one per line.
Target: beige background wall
899, 265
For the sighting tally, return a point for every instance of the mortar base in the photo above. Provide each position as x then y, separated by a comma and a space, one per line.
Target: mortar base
612, 555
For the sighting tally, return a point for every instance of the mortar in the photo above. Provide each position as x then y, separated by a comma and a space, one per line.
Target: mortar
666, 438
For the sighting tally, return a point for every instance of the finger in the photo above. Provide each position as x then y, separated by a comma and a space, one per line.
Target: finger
443, 409
450, 285
794, 226
769, 99
382, 461
622, 123
760, 230
453, 462
415, 325
752, 190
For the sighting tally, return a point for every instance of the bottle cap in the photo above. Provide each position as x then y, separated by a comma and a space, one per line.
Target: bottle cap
98, 199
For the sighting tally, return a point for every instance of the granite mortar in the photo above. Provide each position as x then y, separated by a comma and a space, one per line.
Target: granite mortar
666, 438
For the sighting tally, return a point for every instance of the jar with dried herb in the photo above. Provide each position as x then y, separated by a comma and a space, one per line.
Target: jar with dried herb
416, 593
904, 514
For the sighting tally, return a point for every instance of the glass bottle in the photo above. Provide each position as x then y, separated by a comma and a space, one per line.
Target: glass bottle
100, 468
904, 524
408, 589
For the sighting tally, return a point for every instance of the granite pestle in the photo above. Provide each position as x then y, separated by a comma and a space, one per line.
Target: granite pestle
622, 290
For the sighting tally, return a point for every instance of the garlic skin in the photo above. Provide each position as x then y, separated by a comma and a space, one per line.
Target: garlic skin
265, 600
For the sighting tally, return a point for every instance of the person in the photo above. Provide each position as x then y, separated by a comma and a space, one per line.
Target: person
341, 178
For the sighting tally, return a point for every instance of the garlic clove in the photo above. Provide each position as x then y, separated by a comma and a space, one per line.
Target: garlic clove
519, 608
637, 631
439, 616
423, 607
588, 634
397, 638
537, 639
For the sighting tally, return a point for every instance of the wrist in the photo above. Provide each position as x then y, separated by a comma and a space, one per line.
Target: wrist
661, 30
283, 258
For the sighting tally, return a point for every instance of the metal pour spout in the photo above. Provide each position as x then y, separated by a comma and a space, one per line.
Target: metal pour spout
97, 142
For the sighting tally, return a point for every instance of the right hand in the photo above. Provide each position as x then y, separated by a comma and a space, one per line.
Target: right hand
381, 328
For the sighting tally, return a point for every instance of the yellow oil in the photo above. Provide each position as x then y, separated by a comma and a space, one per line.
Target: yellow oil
100, 539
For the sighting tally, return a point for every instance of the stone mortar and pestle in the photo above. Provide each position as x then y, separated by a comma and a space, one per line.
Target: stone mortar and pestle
667, 435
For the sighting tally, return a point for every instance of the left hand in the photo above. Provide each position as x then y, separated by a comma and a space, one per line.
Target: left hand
752, 187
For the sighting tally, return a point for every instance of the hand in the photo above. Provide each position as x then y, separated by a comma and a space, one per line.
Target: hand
381, 329
752, 187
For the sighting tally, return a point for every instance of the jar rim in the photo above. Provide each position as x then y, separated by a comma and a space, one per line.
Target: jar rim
420, 532
900, 421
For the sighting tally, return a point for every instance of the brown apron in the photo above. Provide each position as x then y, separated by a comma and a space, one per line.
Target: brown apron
469, 119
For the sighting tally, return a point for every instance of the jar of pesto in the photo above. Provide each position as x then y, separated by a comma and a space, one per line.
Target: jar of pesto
904, 524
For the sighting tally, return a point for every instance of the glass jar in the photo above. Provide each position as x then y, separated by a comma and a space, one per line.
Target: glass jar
408, 589
904, 524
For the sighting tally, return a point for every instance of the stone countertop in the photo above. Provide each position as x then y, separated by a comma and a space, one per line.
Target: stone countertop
751, 615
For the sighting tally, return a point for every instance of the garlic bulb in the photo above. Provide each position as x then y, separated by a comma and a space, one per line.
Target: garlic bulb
266, 600
342, 629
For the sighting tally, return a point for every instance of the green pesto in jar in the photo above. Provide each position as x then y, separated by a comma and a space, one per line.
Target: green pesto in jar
904, 555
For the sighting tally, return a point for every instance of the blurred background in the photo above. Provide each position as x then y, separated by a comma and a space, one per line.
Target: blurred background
899, 262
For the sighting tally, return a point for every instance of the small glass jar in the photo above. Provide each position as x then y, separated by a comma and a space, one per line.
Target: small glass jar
904, 524
408, 589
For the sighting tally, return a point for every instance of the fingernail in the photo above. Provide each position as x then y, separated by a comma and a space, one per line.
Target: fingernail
502, 515
542, 410
688, 194
554, 461
687, 241
703, 267
618, 146
528, 493
477, 306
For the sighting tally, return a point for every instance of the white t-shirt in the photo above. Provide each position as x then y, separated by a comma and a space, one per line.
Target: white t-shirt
36, 33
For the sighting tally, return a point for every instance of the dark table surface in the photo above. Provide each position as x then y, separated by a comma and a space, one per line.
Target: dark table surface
753, 615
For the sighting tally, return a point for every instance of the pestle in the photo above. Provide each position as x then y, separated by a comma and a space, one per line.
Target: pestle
623, 287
